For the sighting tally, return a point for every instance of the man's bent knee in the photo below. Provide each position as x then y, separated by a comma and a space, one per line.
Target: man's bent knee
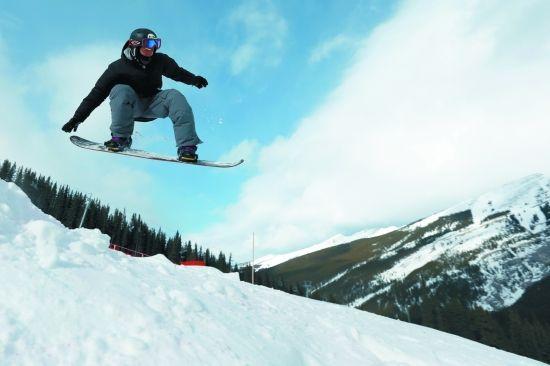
176, 96
123, 91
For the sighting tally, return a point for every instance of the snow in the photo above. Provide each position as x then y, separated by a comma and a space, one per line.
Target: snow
272, 260
504, 279
521, 197
450, 244
505, 285
66, 299
360, 301
508, 269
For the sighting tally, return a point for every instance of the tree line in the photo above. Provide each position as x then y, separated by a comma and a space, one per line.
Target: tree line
69, 207
523, 328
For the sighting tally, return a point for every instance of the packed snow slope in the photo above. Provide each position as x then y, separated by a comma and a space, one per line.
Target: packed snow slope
66, 299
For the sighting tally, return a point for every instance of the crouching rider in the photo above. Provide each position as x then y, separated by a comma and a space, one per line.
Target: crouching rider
133, 84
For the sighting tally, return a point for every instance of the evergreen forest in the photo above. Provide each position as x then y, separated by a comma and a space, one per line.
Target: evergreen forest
74, 209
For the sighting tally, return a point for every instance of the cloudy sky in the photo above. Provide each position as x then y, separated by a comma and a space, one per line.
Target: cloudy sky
350, 115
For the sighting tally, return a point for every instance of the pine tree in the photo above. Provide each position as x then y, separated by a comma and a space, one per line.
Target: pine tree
135, 237
52, 204
207, 259
11, 173
19, 177
5, 171
228, 266
160, 247
174, 249
60, 204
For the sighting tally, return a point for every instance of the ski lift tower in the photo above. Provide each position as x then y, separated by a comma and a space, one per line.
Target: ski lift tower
308, 286
88, 201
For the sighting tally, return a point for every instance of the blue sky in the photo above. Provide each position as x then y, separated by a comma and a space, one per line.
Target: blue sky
254, 99
336, 107
203, 38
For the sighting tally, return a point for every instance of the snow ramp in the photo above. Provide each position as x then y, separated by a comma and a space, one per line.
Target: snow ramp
66, 299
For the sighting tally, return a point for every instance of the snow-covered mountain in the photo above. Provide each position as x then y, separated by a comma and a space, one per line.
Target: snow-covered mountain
276, 259
497, 245
66, 299
504, 234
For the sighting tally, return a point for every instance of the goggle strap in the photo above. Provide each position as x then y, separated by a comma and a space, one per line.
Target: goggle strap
143, 42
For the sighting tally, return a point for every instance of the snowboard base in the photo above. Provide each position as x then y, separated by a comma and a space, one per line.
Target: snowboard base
86, 144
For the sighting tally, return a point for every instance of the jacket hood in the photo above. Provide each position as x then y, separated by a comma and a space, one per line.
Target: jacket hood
123, 52
127, 54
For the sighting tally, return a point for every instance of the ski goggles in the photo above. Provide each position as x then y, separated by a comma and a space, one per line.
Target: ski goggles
146, 43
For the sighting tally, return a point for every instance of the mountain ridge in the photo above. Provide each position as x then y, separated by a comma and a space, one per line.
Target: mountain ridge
272, 260
506, 227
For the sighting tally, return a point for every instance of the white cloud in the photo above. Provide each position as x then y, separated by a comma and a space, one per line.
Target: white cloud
263, 33
246, 150
331, 45
65, 79
444, 100
242, 57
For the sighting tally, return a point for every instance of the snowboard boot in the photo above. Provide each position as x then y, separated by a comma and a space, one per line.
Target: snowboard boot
117, 144
188, 154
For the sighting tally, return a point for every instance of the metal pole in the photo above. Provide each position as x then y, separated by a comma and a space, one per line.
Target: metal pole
252, 258
85, 210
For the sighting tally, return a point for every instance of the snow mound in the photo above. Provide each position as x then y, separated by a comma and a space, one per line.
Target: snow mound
66, 299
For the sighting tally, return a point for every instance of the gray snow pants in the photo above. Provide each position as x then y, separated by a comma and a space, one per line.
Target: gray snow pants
127, 107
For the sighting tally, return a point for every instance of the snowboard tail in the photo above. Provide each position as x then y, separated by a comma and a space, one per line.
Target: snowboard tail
91, 145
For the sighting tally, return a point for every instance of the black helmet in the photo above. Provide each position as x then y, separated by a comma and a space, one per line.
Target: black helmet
143, 37
145, 40
142, 33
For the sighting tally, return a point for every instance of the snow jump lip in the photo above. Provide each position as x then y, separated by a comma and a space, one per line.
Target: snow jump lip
90, 145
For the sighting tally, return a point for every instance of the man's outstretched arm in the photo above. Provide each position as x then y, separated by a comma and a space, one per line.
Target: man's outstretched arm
173, 71
98, 94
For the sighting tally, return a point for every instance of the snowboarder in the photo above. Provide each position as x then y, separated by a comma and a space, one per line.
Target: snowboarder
133, 84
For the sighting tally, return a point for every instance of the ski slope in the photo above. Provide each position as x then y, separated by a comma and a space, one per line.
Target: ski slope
66, 299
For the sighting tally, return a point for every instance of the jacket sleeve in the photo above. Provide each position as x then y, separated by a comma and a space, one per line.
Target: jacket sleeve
173, 71
98, 94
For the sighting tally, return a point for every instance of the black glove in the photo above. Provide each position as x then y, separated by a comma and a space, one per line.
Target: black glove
72, 125
200, 82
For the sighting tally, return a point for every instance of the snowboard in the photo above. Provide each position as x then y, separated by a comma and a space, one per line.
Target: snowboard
86, 144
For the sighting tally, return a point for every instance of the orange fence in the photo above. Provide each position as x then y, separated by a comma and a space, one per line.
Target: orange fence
193, 263
131, 252
135, 253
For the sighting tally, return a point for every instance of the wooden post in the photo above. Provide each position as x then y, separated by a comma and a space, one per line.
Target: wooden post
252, 258
85, 210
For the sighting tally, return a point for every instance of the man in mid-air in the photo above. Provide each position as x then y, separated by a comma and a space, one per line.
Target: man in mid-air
133, 84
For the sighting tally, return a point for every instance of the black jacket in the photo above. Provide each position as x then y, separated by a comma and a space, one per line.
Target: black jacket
145, 81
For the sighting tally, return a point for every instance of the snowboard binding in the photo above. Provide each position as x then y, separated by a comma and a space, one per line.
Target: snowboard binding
117, 144
188, 154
